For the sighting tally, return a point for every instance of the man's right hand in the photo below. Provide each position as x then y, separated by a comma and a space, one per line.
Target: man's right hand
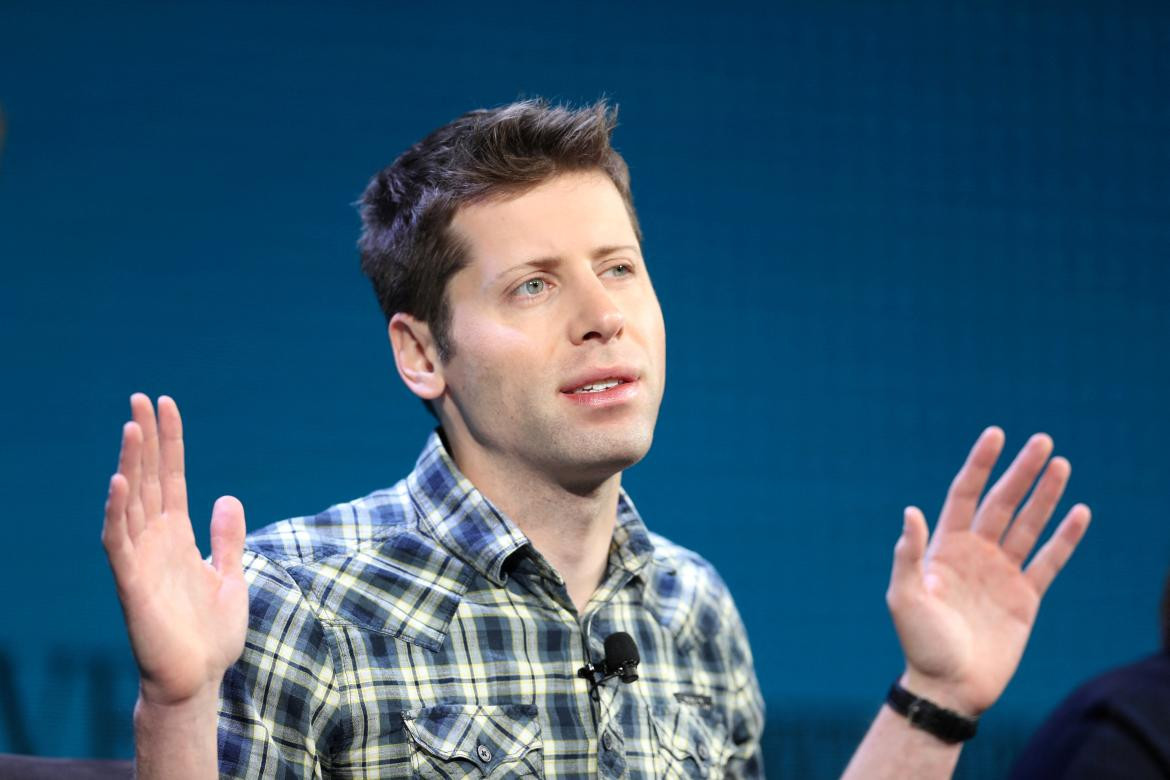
186, 618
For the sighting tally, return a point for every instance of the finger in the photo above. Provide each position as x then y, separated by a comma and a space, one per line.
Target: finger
968, 484
151, 494
906, 577
174, 483
227, 535
997, 509
130, 467
1057, 550
115, 538
1024, 532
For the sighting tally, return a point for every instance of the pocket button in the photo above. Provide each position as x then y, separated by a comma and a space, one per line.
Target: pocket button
484, 754
704, 753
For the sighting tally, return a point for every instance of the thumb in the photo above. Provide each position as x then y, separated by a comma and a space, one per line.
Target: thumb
227, 535
906, 576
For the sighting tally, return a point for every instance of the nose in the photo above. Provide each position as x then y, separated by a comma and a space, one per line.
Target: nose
597, 315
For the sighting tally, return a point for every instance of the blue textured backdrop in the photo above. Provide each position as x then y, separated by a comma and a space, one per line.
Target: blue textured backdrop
875, 228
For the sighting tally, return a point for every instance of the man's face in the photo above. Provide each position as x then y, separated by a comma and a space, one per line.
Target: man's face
559, 345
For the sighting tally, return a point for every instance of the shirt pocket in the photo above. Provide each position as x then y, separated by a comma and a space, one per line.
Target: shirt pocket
470, 740
689, 745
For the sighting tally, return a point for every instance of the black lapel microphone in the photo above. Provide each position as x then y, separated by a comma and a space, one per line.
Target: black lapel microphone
621, 661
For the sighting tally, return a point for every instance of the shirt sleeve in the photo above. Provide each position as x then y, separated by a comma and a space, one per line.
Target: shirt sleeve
1113, 750
1095, 743
1113, 726
280, 710
746, 716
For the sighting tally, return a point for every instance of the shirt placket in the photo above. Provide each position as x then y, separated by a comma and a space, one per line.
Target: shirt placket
609, 704
543, 582
603, 711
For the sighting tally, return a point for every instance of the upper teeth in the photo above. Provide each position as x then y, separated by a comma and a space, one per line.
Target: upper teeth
597, 387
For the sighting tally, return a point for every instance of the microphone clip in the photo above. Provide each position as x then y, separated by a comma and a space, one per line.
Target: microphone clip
621, 661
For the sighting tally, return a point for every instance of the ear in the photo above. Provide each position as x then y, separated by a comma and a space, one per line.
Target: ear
417, 356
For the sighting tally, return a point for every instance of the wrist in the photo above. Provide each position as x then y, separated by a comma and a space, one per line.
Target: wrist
176, 740
940, 692
925, 714
155, 708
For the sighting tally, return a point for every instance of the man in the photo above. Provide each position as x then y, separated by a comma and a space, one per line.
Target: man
437, 628
1116, 725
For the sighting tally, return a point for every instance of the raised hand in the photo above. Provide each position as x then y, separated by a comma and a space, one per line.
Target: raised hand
186, 618
965, 604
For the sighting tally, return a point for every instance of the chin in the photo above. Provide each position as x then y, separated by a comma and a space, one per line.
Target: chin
596, 458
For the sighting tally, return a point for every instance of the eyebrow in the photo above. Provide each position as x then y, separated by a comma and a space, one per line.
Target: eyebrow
551, 260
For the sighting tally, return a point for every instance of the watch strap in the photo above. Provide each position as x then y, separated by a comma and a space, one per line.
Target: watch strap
947, 725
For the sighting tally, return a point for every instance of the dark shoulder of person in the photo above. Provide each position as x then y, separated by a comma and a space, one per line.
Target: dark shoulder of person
1117, 725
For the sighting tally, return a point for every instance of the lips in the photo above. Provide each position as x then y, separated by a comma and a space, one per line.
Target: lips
599, 380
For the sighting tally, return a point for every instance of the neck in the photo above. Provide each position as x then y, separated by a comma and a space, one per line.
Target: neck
571, 526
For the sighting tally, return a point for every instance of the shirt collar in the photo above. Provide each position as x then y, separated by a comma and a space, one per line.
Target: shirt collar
454, 513
458, 516
631, 548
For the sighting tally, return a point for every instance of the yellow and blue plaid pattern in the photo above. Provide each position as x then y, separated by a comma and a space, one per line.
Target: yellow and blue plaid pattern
416, 633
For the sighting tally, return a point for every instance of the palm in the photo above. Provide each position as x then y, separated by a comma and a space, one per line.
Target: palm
964, 607
186, 618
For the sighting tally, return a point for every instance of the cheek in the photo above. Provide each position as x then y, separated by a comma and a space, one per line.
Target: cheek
656, 344
653, 330
491, 354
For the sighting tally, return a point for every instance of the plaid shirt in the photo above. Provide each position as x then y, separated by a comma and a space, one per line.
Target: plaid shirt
416, 632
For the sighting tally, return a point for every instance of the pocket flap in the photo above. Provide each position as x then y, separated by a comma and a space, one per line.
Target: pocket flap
684, 735
485, 735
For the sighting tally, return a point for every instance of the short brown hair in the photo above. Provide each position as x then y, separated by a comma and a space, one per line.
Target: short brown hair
407, 249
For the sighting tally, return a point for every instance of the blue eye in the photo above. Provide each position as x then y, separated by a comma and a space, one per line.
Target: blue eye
532, 287
620, 270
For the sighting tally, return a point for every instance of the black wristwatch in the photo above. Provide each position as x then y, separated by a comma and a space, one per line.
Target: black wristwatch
947, 725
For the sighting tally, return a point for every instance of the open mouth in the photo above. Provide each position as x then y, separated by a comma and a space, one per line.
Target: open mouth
599, 386
602, 392
602, 386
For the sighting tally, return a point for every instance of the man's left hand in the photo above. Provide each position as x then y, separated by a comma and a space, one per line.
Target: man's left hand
964, 604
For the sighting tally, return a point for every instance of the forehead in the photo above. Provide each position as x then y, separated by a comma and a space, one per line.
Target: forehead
570, 214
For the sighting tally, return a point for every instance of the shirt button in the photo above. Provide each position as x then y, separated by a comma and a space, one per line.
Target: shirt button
484, 754
704, 754
607, 741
